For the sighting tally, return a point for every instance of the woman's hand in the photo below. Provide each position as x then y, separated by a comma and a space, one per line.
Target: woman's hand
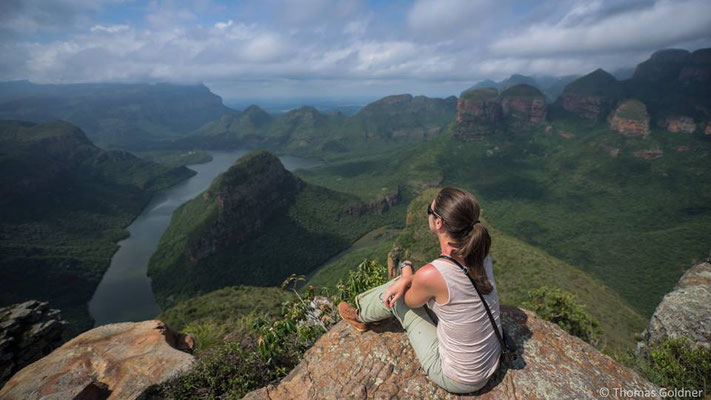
396, 291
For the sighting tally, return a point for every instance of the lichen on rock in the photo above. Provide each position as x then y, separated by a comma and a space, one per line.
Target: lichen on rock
380, 364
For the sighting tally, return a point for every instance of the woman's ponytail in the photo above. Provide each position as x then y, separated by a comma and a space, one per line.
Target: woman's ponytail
474, 251
460, 211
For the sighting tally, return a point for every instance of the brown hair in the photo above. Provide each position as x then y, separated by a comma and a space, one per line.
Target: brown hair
460, 216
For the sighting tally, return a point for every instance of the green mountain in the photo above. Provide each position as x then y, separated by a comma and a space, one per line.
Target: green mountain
255, 225
114, 115
551, 86
387, 123
671, 83
626, 210
518, 267
64, 203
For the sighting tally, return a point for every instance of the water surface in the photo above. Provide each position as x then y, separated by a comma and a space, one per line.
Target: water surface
124, 293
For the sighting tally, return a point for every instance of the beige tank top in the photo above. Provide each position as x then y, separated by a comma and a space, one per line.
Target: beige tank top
468, 346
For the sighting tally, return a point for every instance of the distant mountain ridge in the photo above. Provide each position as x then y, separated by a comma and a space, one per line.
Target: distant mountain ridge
114, 115
392, 119
551, 86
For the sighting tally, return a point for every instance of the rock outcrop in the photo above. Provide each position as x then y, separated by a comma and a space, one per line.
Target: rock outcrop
524, 104
630, 119
685, 311
378, 206
649, 154
591, 97
484, 111
116, 361
28, 332
678, 124
245, 190
381, 364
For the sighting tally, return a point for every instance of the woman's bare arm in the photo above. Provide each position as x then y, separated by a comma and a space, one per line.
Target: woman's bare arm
426, 283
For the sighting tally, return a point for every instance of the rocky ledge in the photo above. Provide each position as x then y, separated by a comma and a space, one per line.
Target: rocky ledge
381, 364
28, 332
116, 361
685, 311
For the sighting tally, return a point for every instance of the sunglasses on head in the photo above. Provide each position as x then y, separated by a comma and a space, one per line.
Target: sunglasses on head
430, 211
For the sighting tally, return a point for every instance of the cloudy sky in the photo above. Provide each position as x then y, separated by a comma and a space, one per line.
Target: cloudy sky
332, 48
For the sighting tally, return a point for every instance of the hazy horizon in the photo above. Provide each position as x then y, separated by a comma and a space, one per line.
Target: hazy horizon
320, 49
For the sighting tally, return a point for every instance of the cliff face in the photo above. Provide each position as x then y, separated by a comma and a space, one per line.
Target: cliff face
630, 119
116, 361
485, 111
678, 124
662, 65
245, 196
28, 332
381, 364
591, 97
524, 104
698, 69
375, 206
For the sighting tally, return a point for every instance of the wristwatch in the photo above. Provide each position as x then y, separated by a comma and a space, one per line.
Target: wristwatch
406, 264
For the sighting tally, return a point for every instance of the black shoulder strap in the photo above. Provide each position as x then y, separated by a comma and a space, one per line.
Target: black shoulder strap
486, 306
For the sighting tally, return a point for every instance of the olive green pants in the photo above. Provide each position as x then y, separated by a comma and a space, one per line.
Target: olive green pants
421, 330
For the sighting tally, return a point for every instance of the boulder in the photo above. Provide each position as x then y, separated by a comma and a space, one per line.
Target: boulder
28, 332
685, 311
381, 364
116, 361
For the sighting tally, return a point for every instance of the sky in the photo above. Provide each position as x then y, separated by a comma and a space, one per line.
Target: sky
336, 48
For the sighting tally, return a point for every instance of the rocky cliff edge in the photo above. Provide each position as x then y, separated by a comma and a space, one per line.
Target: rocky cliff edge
380, 364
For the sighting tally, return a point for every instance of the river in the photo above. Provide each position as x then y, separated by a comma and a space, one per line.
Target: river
124, 293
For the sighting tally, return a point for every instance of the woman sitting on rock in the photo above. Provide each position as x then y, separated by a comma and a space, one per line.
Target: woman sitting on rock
460, 351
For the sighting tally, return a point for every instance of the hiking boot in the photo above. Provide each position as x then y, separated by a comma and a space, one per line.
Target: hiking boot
350, 315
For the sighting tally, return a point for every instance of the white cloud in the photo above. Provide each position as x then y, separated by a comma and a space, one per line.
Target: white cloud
662, 24
345, 46
224, 25
110, 28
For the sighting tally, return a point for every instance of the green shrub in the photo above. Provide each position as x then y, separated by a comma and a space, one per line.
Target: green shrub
369, 274
677, 363
264, 349
562, 307
228, 371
